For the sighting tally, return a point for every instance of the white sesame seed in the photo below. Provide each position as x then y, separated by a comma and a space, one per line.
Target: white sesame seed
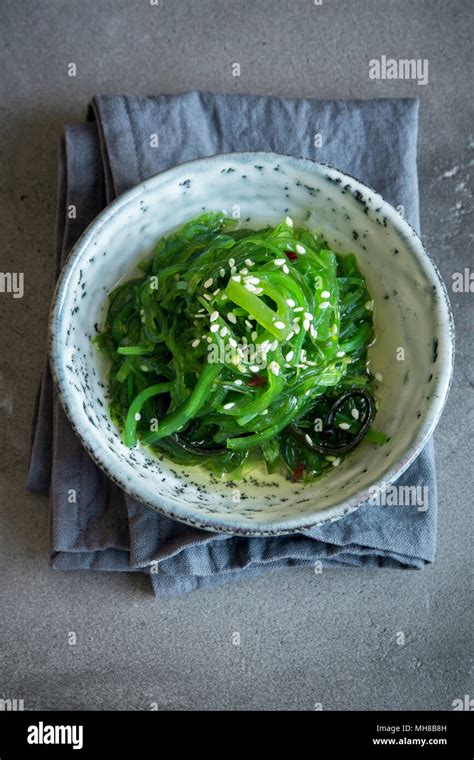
296, 328
339, 354
207, 296
222, 272
379, 377
137, 416
233, 270
241, 368
325, 294
298, 308
324, 304
233, 342
250, 263
290, 335
251, 288
313, 331
369, 305
258, 291
214, 328
229, 405
254, 335
223, 332
285, 269
336, 462
289, 221
196, 342
280, 325
290, 302
244, 271
254, 280
209, 339
355, 413
214, 316
231, 262
238, 381
265, 411
144, 368
232, 318
306, 324
330, 458
308, 439
274, 367
237, 277
248, 324
274, 345
300, 249
254, 368
344, 425
289, 356
216, 292
199, 316
279, 262
208, 282
308, 315
224, 297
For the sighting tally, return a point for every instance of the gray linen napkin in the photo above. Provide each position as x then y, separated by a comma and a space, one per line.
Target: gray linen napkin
105, 529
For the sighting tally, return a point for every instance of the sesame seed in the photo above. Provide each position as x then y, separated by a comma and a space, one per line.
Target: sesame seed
290, 302
308, 315
209, 339
251, 288
280, 325
274, 345
250, 263
214, 316
289, 356
355, 413
279, 262
223, 332
214, 328
313, 331
254, 280
248, 324
238, 381
237, 277
144, 368
199, 316
222, 272
233, 270
241, 368
265, 411
339, 354
306, 324
137, 416
308, 439
296, 328
344, 425
229, 405
216, 292
290, 335
208, 282
325, 294
289, 221
201, 310
258, 291
300, 249
254, 368
336, 462
274, 367
324, 304
232, 318
285, 269
298, 308
196, 342
254, 335
369, 305
207, 296
330, 458
379, 377
244, 271
231, 262
233, 342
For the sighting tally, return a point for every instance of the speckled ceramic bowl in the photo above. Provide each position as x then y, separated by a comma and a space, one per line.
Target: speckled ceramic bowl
411, 312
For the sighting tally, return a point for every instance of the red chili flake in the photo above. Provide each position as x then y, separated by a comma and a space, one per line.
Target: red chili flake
258, 381
292, 256
298, 472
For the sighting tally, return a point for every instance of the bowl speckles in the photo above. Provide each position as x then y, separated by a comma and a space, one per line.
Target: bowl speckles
411, 313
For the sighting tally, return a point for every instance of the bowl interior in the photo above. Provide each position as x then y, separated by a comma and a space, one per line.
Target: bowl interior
412, 353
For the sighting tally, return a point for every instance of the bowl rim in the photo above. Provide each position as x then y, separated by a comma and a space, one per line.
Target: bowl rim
227, 525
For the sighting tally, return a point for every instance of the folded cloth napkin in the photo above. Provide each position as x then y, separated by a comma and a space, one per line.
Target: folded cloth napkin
104, 529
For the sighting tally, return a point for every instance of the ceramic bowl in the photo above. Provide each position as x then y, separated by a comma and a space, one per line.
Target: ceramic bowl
411, 313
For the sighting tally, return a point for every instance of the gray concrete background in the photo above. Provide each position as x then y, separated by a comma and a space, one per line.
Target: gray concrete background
305, 639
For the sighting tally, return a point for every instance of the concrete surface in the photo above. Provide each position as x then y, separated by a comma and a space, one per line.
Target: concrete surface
305, 638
